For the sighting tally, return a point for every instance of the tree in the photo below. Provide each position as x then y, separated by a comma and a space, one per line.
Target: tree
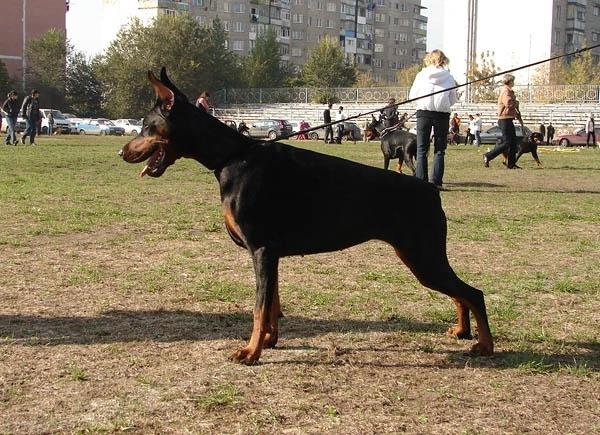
196, 59
485, 67
406, 76
581, 69
326, 66
262, 68
83, 91
5, 82
46, 67
365, 80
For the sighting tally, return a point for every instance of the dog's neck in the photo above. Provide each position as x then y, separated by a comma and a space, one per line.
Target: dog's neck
213, 143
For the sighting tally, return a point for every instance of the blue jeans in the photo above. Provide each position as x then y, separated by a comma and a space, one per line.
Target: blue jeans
10, 130
477, 137
30, 130
439, 121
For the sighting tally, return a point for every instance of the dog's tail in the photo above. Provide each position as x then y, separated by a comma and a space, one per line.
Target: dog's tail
410, 155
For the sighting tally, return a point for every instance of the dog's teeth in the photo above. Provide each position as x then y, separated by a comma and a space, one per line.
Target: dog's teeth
144, 171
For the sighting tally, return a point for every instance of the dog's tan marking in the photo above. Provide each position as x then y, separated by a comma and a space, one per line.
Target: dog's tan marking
251, 353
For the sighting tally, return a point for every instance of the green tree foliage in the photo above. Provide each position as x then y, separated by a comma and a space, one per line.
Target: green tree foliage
262, 68
326, 66
485, 90
406, 76
196, 59
5, 82
581, 69
83, 91
46, 67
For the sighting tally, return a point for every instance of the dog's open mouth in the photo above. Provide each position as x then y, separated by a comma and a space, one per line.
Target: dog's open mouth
155, 166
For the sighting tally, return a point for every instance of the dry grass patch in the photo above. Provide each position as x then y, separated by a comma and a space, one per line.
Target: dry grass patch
123, 299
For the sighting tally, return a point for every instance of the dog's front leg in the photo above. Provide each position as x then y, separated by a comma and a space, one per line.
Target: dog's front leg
266, 309
462, 329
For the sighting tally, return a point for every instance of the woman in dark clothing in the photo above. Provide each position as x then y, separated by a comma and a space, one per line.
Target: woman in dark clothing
11, 109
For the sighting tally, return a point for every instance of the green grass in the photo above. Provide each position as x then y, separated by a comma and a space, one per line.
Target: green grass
138, 282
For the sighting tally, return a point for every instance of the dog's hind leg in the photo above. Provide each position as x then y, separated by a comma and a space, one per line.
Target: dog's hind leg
426, 258
266, 309
386, 162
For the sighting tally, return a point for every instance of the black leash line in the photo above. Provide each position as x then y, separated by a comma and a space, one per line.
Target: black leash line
410, 100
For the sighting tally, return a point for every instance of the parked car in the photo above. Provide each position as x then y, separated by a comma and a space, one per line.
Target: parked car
61, 123
491, 135
131, 126
99, 126
577, 138
271, 128
349, 128
19, 127
73, 121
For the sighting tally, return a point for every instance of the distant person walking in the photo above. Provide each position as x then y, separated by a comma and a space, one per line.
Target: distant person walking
454, 129
202, 101
327, 120
590, 129
11, 110
30, 110
340, 116
50, 123
433, 112
508, 109
477, 129
549, 134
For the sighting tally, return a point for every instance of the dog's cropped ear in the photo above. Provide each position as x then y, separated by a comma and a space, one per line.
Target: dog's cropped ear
163, 93
169, 84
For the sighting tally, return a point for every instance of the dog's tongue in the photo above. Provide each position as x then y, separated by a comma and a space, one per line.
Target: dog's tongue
144, 171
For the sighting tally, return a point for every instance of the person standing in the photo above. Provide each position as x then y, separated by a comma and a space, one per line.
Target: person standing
477, 129
30, 110
340, 116
327, 120
50, 123
508, 109
549, 134
590, 129
390, 113
433, 112
454, 129
470, 136
11, 110
202, 101
543, 130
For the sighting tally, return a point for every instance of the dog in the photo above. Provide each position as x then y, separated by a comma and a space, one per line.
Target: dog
527, 145
281, 201
395, 144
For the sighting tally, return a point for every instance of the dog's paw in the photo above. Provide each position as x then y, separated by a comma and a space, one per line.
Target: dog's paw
245, 356
270, 340
482, 349
460, 333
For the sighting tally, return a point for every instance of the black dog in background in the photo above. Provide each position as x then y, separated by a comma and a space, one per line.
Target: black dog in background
395, 144
280, 201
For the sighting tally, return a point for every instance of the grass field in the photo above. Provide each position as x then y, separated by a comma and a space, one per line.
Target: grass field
121, 300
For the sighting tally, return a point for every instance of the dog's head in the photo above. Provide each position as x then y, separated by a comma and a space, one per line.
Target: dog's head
160, 140
536, 138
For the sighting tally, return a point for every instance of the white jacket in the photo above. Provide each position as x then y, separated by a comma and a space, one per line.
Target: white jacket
432, 79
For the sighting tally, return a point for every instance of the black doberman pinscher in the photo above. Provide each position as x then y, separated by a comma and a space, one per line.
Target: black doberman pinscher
280, 201
395, 144
527, 145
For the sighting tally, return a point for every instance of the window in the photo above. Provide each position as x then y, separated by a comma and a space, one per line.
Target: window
298, 35
284, 50
239, 8
403, 7
238, 27
226, 25
380, 2
378, 48
595, 36
380, 18
380, 33
170, 12
377, 63
596, 11
225, 7
556, 37
237, 45
297, 18
329, 24
296, 52
330, 7
285, 32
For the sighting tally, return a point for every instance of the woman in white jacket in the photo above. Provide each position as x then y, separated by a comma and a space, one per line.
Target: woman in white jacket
433, 112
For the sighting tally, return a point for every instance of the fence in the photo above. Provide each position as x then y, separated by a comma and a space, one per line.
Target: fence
525, 93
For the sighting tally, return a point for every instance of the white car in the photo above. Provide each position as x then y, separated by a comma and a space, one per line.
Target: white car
131, 126
61, 123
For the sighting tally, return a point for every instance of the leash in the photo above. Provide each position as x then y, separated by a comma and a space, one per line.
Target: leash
458, 86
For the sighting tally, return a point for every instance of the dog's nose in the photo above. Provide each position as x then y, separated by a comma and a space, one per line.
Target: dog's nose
120, 152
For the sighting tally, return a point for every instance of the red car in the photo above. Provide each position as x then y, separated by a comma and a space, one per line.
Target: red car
574, 139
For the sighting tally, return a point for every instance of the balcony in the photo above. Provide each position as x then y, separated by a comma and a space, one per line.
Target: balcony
575, 24
582, 3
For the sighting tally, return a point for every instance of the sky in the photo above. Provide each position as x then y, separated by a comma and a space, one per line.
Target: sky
517, 31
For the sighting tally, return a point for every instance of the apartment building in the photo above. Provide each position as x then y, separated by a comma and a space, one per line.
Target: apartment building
380, 36
575, 24
23, 20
